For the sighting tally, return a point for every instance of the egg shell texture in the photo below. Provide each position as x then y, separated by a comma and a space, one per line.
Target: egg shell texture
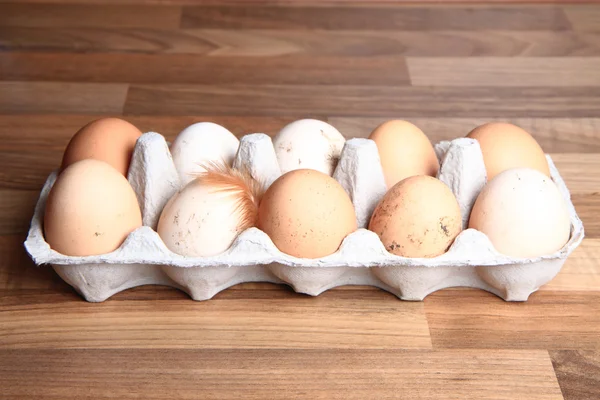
523, 214
90, 210
361, 259
404, 151
111, 140
307, 214
201, 143
308, 143
506, 146
418, 217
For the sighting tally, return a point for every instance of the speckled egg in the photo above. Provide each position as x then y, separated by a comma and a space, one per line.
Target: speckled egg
417, 217
307, 214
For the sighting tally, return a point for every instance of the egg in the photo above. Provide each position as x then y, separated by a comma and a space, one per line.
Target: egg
90, 210
307, 214
404, 151
417, 217
506, 146
111, 140
308, 144
199, 144
523, 214
205, 217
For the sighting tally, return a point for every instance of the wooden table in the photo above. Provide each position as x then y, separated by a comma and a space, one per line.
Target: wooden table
253, 69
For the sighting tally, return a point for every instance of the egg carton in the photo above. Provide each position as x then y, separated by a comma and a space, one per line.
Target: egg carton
362, 259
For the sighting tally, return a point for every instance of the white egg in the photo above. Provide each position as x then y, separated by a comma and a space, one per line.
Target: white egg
199, 221
308, 143
200, 143
523, 214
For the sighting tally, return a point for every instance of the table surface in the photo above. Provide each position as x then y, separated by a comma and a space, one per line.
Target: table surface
447, 68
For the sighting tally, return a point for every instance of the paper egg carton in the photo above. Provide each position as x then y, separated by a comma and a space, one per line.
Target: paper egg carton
143, 258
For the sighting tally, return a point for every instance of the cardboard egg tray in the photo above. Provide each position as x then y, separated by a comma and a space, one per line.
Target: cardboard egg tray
143, 259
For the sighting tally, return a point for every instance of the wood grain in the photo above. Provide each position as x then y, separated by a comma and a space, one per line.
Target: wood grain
74, 15
578, 372
18, 272
580, 272
579, 172
500, 71
549, 320
278, 374
268, 42
186, 68
299, 101
61, 97
583, 18
16, 210
555, 135
374, 18
232, 319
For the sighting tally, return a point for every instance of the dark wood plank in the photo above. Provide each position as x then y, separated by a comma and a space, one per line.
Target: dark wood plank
277, 374
16, 210
61, 97
98, 15
269, 42
18, 272
555, 135
584, 18
467, 318
503, 71
405, 102
232, 319
189, 68
375, 18
578, 373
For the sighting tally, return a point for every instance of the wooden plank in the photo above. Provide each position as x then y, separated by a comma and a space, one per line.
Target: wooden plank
466, 318
555, 135
588, 209
277, 374
583, 18
580, 272
190, 68
374, 18
579, 171
18, 272
61, 97
294, 100
16, 210
265, 42
98, 15
232, 319
578, 373
502, 71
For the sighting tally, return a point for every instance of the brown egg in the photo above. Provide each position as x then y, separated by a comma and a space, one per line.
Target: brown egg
506, 146
108, 139
307, 214
90, 210
404, 151
418, 217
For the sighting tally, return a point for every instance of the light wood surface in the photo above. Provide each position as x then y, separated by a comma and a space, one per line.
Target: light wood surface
165, 64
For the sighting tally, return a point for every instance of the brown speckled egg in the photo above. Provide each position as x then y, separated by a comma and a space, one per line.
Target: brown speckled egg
111, 140
307, 214
418, 217
90, 210
404, 151
506, 146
